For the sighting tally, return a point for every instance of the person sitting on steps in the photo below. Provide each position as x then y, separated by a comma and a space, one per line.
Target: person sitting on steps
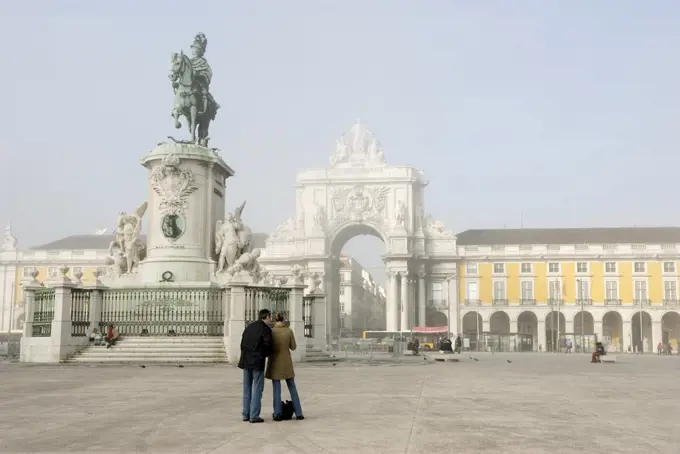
111, 335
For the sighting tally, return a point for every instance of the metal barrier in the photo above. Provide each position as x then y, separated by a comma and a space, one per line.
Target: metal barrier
273, 298
42, 313
161, 312
307, 315
80, 312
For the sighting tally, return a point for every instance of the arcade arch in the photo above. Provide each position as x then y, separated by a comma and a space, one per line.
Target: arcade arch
555, 327
670, 325
641, 332
527, 325
499, 323
359, 280
612, 329
584, 331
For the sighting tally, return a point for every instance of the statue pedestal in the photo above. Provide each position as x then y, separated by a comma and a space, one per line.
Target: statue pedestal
186, 199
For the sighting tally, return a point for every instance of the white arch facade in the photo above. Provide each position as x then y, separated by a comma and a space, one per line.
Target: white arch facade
360, 193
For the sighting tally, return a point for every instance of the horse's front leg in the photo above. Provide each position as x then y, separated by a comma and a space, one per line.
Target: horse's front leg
194, 113
175, 115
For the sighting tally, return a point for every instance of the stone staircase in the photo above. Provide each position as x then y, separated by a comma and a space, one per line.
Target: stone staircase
156, 350
315, 354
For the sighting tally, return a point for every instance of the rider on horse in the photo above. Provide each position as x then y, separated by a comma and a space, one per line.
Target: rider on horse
203, 73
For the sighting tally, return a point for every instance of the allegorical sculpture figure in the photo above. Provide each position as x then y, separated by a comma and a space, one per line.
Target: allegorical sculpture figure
128, 249
232, 240
360, 150
191, 79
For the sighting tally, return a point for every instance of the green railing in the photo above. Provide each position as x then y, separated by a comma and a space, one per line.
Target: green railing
42, 313
80, 312
273, 298
164, 312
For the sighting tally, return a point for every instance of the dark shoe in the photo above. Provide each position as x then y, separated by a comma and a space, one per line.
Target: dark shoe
277, 418
256, 420
246, 419
300, 418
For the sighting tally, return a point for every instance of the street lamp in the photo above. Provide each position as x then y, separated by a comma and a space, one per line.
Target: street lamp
580, 297
642, 345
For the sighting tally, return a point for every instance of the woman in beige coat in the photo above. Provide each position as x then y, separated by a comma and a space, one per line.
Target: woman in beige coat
280, 367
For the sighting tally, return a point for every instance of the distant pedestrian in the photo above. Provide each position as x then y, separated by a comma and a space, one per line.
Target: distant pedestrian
256, 346
280, 367
569, 346
458, 344
659, 348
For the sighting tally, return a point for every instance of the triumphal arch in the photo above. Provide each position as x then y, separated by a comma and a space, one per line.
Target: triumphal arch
359, 193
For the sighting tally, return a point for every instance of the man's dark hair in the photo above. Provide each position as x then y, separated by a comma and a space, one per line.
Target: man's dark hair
264, 313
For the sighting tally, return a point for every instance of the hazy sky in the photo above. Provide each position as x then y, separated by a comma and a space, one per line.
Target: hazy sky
565, 111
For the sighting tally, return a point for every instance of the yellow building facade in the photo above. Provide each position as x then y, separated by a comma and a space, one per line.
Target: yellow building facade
619, 286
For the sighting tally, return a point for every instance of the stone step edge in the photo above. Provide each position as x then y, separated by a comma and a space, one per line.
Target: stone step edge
148, 360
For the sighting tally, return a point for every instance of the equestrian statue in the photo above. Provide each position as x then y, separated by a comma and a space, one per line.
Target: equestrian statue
190, 79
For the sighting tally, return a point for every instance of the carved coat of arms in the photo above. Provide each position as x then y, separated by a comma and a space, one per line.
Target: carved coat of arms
173, 184
359, 203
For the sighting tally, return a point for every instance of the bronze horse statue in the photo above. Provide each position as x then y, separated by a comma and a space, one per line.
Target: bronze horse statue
188, 100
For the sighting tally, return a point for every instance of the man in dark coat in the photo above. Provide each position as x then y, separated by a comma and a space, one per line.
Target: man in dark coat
256, 346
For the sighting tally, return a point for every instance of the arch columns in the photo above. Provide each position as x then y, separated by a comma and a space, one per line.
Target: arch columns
422, 298
627, 335
404, 301
657, 334
454, 305
392, 310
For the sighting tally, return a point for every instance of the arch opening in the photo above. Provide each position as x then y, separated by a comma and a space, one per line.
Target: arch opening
670, 327
527, 328
584, 332
612, 330
358, 288
499, 323
472, 329
555, 327
641, 333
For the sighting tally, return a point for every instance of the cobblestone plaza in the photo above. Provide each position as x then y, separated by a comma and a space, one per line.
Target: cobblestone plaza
534, 403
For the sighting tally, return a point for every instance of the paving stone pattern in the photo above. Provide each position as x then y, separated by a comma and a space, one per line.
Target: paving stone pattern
537, 403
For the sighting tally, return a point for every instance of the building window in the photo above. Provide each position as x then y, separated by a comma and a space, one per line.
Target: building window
526, 267
343, 278
527, 290
582, 289
640, 290
342, 290
581, 267
670, 291
499, 290
669, 267
471, 268
554, 267
610, 267
27, 272
611, 290
499, 268
437, 291
639, 267
554, 290
342, 307
52, 271
472, 291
